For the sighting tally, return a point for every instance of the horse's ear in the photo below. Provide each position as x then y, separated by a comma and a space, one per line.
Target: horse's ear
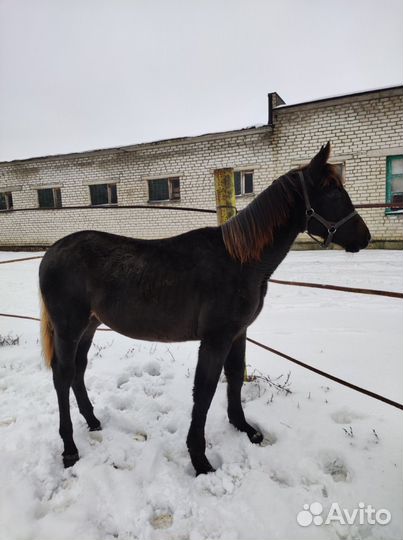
318, 162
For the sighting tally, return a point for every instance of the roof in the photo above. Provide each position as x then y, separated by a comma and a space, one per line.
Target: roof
129, 148
362, 95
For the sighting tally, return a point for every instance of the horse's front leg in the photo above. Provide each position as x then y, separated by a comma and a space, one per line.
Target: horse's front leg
212, 354
234, 368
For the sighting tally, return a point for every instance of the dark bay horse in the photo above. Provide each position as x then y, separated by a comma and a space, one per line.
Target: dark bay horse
208, 284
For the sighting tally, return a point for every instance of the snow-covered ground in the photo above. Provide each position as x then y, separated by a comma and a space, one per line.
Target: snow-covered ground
323, 443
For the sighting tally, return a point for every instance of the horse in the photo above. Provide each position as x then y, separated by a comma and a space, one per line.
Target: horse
208, 285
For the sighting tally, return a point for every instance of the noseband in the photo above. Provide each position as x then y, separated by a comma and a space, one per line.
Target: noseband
311, 214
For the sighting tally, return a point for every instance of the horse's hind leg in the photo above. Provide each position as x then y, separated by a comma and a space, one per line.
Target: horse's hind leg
84, 404
234, 368
63, 366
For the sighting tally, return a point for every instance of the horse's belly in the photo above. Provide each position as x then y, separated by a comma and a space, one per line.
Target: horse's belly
159, 326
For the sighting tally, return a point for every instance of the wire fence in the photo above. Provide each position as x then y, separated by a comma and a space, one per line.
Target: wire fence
276, 352
375, 292
163, 206
390, 294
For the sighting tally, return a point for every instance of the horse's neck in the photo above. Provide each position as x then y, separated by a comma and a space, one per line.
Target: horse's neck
284, 237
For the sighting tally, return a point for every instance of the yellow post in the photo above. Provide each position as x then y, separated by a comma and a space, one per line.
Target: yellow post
226, 202
225, 194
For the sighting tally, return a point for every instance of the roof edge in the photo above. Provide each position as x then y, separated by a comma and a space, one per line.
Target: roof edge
362, 95
262, 128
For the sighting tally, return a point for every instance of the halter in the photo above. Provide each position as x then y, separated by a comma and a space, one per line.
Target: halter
311, 214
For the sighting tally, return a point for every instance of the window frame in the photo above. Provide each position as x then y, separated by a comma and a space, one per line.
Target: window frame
337, 163
8, 197
242, 173
56, 195
171, 189
389, 177
109, 188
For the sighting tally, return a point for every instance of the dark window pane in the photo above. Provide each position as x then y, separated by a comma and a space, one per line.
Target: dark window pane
45, 198
339, 168
397, 198
249, 182
158, 190
237, 178
3, 202
10, 200
99, 194
113, 193
175, 188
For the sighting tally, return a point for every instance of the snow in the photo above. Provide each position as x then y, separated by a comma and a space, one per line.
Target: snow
323, 442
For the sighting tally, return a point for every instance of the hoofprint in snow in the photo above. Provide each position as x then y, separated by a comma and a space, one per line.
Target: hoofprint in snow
323, 443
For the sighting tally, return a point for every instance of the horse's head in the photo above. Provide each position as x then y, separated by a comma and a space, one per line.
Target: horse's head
332, 216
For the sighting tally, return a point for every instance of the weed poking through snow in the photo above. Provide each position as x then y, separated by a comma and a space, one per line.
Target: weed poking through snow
8, 341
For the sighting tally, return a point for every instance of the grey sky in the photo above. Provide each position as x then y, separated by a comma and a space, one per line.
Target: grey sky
84, 74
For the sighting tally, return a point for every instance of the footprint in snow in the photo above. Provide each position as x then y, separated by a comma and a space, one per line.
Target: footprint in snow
121, 403
162, 521
333, 464
153, 368
281, 478
95, 436
140, 436
337, 470
269, 439
123, 379
345, 416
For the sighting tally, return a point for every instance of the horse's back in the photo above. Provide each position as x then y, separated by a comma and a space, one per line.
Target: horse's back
150, 289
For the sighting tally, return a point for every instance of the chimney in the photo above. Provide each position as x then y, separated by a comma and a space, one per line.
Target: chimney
274, 101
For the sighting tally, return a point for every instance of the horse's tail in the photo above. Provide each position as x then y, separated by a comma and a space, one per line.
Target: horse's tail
46, 334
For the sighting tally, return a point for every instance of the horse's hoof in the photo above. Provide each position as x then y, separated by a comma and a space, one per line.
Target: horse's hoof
205, 469
70, 459
210, 470
256, 438
95, 428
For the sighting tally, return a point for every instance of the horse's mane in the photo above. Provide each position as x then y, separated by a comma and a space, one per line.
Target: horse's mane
253, 228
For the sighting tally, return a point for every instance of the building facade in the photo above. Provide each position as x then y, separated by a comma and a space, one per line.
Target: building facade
365, 129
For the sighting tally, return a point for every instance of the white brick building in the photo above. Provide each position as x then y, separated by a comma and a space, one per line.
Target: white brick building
366, 131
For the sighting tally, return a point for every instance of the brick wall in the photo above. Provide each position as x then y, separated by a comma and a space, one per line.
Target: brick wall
363, 131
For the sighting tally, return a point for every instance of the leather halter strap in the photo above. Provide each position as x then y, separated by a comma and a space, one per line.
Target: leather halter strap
311, 214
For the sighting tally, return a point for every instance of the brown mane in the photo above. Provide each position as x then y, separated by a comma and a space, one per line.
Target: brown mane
252, 229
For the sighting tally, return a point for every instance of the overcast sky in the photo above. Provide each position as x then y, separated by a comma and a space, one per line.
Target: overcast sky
84, 74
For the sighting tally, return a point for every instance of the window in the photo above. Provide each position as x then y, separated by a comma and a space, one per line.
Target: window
49, 198
394, 182
339, 165
103, 194
243, 182
164, 189
339, 168
6, 201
